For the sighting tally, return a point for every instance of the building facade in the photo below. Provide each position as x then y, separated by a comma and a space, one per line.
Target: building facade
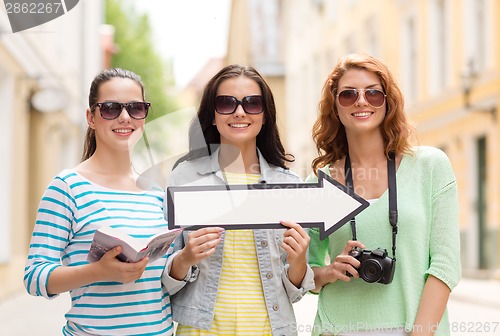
256, 38
45, 73
445, 55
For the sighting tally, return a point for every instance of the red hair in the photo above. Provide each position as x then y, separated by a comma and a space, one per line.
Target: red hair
329, 133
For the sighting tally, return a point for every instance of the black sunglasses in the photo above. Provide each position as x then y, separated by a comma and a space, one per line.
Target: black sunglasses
111, 110
374, 97
229, 104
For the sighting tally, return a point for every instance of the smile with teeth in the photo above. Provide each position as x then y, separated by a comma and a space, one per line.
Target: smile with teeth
123, 130
362, 114
239, 125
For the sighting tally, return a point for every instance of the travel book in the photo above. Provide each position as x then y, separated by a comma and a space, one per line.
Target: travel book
133, 249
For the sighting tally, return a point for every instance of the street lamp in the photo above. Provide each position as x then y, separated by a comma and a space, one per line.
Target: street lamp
468, 77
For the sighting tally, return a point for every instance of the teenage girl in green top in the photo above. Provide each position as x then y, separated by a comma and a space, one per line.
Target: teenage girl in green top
362, 119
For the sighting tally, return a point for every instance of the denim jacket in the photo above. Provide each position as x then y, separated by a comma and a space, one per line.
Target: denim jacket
193, 300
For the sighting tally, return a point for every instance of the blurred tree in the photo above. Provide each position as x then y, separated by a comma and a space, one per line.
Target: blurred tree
136, 52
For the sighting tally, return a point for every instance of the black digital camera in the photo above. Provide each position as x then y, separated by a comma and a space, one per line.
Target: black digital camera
375, 266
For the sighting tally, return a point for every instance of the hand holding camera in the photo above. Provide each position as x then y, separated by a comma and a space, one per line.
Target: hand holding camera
375, 266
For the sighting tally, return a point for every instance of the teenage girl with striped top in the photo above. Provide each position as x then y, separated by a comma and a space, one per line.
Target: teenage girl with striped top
237, 282
108, 297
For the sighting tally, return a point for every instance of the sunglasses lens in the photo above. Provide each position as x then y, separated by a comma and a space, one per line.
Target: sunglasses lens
253, 104
110, 110
348, 97
138, 110
225, 104
375, 98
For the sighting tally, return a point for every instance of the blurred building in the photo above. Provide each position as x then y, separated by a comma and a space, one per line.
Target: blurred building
45, 74
256, 38
445, 55
191, 94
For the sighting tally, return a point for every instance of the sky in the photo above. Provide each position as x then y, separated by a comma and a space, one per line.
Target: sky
188, 31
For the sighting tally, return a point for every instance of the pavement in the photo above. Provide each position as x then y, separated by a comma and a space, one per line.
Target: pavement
473, 309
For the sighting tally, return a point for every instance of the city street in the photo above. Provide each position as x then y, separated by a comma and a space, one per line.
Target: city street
316, 81
474, 309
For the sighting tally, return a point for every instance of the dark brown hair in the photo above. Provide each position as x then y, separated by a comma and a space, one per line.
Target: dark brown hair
90, 144
268, 139
328, 131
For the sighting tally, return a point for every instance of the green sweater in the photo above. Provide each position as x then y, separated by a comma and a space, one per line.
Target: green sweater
428, 243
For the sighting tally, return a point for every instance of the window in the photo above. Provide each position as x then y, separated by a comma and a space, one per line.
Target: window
478, 31
351, 3
318, 4
438, 47
332, 11
441, 43
481, 202
410, 57
372, 36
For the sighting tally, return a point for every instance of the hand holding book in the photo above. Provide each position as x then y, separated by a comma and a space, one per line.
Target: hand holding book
133, 249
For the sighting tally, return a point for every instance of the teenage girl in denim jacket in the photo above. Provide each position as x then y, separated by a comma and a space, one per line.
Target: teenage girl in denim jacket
237, 281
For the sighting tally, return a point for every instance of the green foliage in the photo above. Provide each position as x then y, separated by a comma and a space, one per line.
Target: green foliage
136, 52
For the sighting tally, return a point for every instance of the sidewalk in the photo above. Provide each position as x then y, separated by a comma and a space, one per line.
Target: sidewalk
483, 292
473, 303
23, 315
473, 309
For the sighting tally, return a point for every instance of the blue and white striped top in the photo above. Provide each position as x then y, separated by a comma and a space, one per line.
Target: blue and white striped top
70, 211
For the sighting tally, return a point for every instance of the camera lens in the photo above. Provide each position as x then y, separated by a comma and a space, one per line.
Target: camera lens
370, 270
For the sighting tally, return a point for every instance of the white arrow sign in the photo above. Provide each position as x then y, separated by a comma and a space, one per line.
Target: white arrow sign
261, 206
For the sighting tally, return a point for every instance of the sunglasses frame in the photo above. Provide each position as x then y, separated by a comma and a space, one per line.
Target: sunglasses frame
127, 106
240, 102
359, 92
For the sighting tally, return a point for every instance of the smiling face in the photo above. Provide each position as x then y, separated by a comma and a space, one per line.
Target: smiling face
239, 128
361, 117
122, 133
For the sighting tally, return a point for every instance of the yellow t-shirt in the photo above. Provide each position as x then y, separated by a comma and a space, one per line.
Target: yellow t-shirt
240, 307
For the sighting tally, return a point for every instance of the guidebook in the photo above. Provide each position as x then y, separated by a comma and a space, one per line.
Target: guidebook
134, 249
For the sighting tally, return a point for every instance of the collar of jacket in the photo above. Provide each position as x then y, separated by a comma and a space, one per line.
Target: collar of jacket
213, 166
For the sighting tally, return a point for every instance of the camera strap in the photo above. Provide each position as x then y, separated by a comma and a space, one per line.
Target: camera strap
393, 199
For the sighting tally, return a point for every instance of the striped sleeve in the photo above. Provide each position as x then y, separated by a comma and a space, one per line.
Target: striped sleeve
51, 234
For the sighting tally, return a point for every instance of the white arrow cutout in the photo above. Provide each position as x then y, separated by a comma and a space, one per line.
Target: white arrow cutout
261, 206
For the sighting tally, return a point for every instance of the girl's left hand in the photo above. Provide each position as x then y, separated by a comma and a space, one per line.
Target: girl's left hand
295, 243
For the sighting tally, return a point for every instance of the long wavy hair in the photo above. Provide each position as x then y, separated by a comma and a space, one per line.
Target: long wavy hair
204, 137
329, 133
90, 145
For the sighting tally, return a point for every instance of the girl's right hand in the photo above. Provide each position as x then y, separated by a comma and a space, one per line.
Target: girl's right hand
200, 245
109, 268
342, 264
